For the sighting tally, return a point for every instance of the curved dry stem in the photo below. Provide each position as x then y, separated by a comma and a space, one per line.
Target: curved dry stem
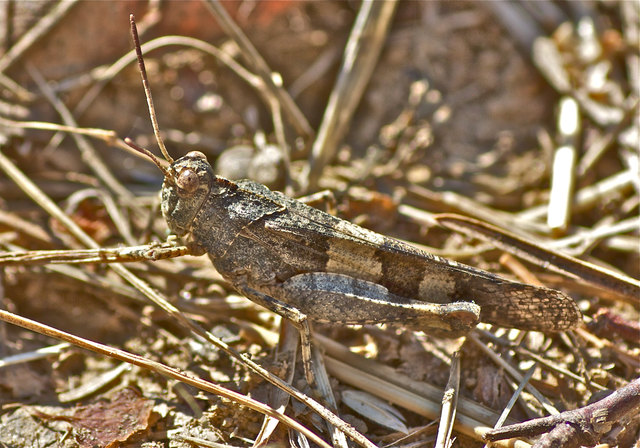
160, 368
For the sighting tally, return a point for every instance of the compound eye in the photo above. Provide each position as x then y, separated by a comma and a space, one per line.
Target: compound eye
188, 180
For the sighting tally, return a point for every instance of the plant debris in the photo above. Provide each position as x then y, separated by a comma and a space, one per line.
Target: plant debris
483, 128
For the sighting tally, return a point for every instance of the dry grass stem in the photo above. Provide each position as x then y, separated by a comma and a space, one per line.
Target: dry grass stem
160, 369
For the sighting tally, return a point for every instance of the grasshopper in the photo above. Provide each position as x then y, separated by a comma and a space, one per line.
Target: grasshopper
305, 264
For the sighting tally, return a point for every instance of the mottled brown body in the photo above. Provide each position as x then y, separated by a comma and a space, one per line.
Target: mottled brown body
293, 258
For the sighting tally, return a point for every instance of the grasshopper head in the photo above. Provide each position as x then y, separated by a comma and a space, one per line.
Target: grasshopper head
187, 184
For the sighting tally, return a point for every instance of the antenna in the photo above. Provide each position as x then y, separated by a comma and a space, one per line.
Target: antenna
147, 92
159, 163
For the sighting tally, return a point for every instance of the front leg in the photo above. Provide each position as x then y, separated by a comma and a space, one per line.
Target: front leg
342, 299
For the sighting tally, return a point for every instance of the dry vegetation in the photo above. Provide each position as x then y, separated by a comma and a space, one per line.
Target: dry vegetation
472, 108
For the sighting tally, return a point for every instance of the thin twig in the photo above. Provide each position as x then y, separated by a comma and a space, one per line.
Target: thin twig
586, 197
413, 401
597, 232
28, 228
285, 355
600, 145
518, 22
457, 203
26, 41
418, 396
541, 360
512, 401
36, 32
581, 426
324, 390
103, 134
93, 385
34, 355
514, 373
103, 75
449, 404
89, 154
159, 368
258, 64
626, 287
564, 162
361, 54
